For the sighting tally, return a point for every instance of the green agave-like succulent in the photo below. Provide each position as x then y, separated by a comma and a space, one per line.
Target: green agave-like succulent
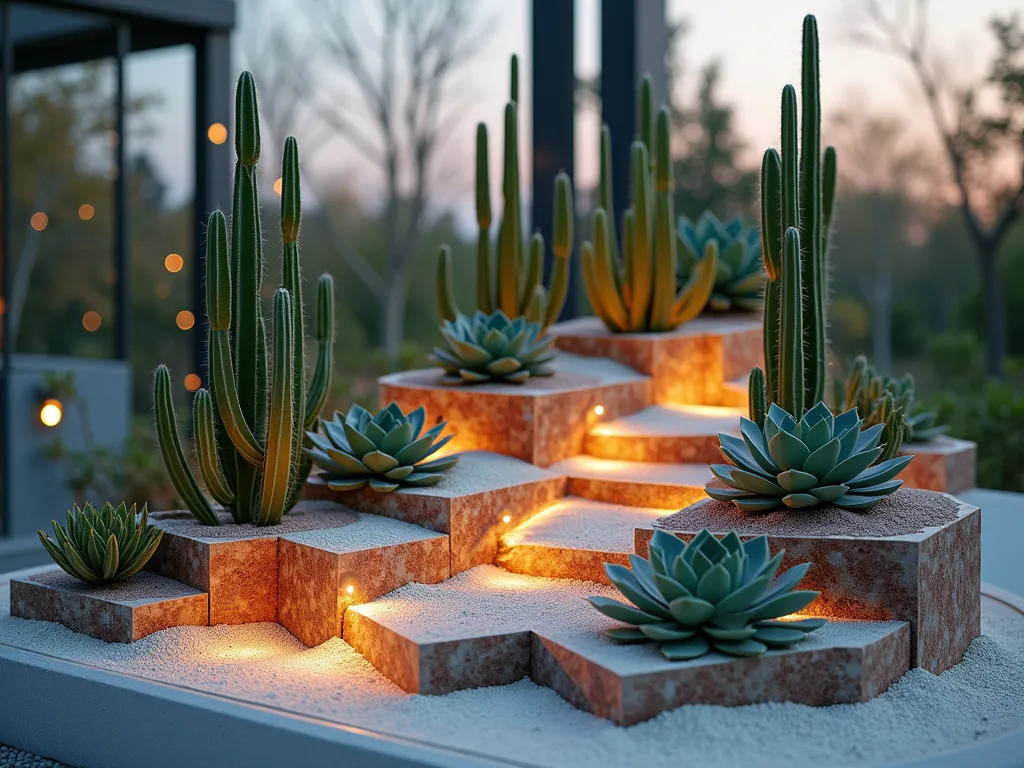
710, 593
877, 397
492, 347
739, 276
385, 451
103, 546
819, 459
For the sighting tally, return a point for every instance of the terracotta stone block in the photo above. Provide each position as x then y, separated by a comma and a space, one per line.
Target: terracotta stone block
470, 504
634, 483
573, 539
486, 627
372, 556
944, 464
235, 564
116, 613
688, 365
929, 576
541, 421
680, 434
841, 663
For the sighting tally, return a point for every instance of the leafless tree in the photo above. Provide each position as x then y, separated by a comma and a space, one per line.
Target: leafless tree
378, 74
974, 140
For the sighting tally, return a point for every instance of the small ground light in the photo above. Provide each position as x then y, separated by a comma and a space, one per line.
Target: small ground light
173, 262
598, 410
192, 382
278, 186
349, 589
506, 519
39, 221
92, 321
217, 133
86, 212
51, 412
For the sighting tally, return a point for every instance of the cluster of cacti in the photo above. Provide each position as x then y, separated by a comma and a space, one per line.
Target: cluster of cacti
384, 451
885, 400
249, 425
512, 279
819, 458
103, 546
636, 292
493, 348
797, 197
709, 593
739, 279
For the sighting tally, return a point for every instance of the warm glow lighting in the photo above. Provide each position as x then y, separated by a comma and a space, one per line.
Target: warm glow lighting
173, 262
51, 412
278, 186
506, 519
217, 133
192, 382
598, 410
86, 212
39, 221
349, 589
92, 321
185, 320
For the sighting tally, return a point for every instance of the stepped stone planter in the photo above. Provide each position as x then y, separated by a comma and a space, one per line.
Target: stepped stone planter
914, 557
688, 365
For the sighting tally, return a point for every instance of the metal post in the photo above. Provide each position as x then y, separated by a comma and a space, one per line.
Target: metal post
618, 88
6, 68
122, 255
554, 115
212, 169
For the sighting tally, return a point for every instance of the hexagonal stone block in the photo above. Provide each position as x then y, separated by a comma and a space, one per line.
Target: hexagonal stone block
115, 613
915, 557
235, 564
322, 573
944, 464
540, 421
688, 365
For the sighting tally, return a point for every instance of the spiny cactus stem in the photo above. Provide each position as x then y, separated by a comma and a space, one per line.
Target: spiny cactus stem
791, 349
230, 409
206, 449
282, 448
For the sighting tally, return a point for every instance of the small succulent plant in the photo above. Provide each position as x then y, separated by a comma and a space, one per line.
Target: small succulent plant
876, 396
710, 593
103, 546
739, 279
385, 451
492, 347
818, 459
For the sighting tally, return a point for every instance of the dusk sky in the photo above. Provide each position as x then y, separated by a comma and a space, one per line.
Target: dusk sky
758, 43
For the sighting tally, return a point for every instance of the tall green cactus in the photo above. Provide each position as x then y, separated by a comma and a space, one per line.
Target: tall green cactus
637, 293
512, 279
249, 424
797, 199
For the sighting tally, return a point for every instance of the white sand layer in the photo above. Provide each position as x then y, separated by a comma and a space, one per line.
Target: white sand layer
923, 714
368, 532
590, 468
479, 471
584, 524
674, 421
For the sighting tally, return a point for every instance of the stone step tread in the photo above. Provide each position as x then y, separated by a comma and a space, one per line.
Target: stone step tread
671, 420
368, 532
634, 472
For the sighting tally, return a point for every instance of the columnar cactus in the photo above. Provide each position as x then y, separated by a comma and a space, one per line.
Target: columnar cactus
637, 292
512, 280
797, 198
250, 424
885, 400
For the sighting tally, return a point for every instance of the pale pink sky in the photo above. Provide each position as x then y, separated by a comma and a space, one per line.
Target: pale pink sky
758, 42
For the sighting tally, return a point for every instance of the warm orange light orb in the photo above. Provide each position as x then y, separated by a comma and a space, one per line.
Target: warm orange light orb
51, 412
506, 519
192, 382
185, 320
278, 186
173, 262
86, 212
92, 321
217, 133
39, 221
598, 410
350, 589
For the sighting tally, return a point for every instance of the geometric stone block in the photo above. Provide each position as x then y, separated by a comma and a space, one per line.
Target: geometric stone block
688, 365
634, 483
470, 504
540, 421
574, 538
114, 613
915, 556
486, 627
235, 564
680, 434
944, 464
322, 573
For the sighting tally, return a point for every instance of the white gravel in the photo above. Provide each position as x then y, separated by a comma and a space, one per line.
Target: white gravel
584, 524
981, 697
368, 532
